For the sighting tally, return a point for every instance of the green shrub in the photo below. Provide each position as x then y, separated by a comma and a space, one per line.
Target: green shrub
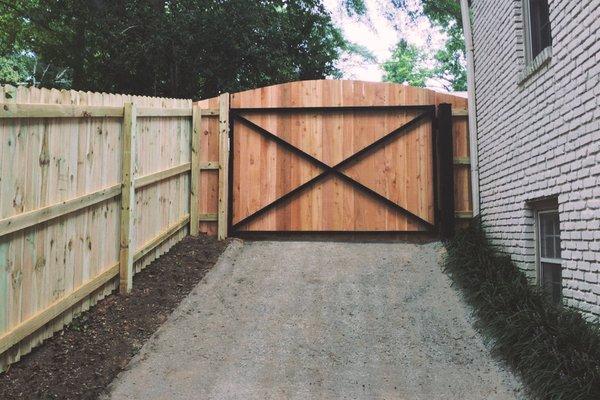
554, 350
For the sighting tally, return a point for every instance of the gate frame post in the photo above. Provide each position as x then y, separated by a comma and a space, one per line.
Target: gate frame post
445, 170
224, 145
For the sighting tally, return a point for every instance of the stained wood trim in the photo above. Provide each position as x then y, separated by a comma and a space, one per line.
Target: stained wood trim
127, 198
209, 165
164, 112
40, 319
445, 177
210, 217
462, 161
162, 236
31, 218
161, 175
21, 110
460, 112
223, 206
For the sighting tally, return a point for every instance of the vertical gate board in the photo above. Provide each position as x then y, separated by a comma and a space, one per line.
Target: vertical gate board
406, 183
260, 171
463, 202
209, 179
362, 201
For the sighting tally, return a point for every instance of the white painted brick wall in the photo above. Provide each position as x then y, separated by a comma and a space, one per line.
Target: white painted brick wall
542, 137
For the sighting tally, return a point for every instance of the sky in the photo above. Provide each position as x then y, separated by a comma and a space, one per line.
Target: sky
379, 31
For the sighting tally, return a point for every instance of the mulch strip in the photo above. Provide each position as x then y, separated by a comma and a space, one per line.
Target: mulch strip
81, 360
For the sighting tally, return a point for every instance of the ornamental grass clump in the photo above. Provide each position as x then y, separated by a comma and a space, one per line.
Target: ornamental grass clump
554, 350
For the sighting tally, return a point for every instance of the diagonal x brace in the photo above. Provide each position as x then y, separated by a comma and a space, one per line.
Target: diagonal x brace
329, 170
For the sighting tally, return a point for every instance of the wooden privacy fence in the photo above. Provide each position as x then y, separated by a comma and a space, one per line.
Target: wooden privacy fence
93, 186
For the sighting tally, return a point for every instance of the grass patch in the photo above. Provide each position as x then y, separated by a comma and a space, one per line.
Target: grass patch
554, 349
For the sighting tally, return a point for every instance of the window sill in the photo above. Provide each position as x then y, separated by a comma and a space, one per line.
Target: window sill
535, 65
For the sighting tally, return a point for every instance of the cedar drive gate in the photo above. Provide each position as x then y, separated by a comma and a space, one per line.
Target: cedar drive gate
434, 205
335, 156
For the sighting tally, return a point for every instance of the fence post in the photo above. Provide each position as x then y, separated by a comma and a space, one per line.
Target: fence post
195, 170
127, 198
223, 166
445, 170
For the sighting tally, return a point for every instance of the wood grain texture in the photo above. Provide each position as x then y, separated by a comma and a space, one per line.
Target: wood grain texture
195, 173
209, 178
127, 198
224, 146
401, 171
55, 162
463, 202
287, 170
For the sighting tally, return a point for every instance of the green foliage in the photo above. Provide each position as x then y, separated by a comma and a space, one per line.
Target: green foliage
185, 48
451, 60
357, 7
554, 349
14, 69
26, 69
407, 65
450, 68
361, 51
446, 14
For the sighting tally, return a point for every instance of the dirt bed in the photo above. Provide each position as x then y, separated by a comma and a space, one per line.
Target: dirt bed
80, 361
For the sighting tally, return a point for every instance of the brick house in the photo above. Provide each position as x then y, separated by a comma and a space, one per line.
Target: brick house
537, 91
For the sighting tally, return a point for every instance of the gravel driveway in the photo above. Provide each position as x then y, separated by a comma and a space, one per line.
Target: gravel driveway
313, 320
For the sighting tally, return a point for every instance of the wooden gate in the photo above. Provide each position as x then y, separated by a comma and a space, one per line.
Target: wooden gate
334, 156
333, 169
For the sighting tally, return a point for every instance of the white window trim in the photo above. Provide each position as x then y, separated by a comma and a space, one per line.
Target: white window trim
532, 65
537, 232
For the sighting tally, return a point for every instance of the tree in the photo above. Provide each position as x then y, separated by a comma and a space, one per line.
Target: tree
14, 69
450, 61
183, 48
407, 65
446, 14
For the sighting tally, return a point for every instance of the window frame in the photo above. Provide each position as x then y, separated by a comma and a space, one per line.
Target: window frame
528, 42
538, 243
532, 64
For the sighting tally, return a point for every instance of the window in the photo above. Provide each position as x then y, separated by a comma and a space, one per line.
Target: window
537, 27
548, 245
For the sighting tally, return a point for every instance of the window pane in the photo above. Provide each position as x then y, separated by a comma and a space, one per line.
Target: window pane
546, 224
549, 246
539, 25
549, 239
552, 280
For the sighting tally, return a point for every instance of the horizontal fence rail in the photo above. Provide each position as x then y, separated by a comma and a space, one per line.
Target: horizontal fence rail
85, 162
